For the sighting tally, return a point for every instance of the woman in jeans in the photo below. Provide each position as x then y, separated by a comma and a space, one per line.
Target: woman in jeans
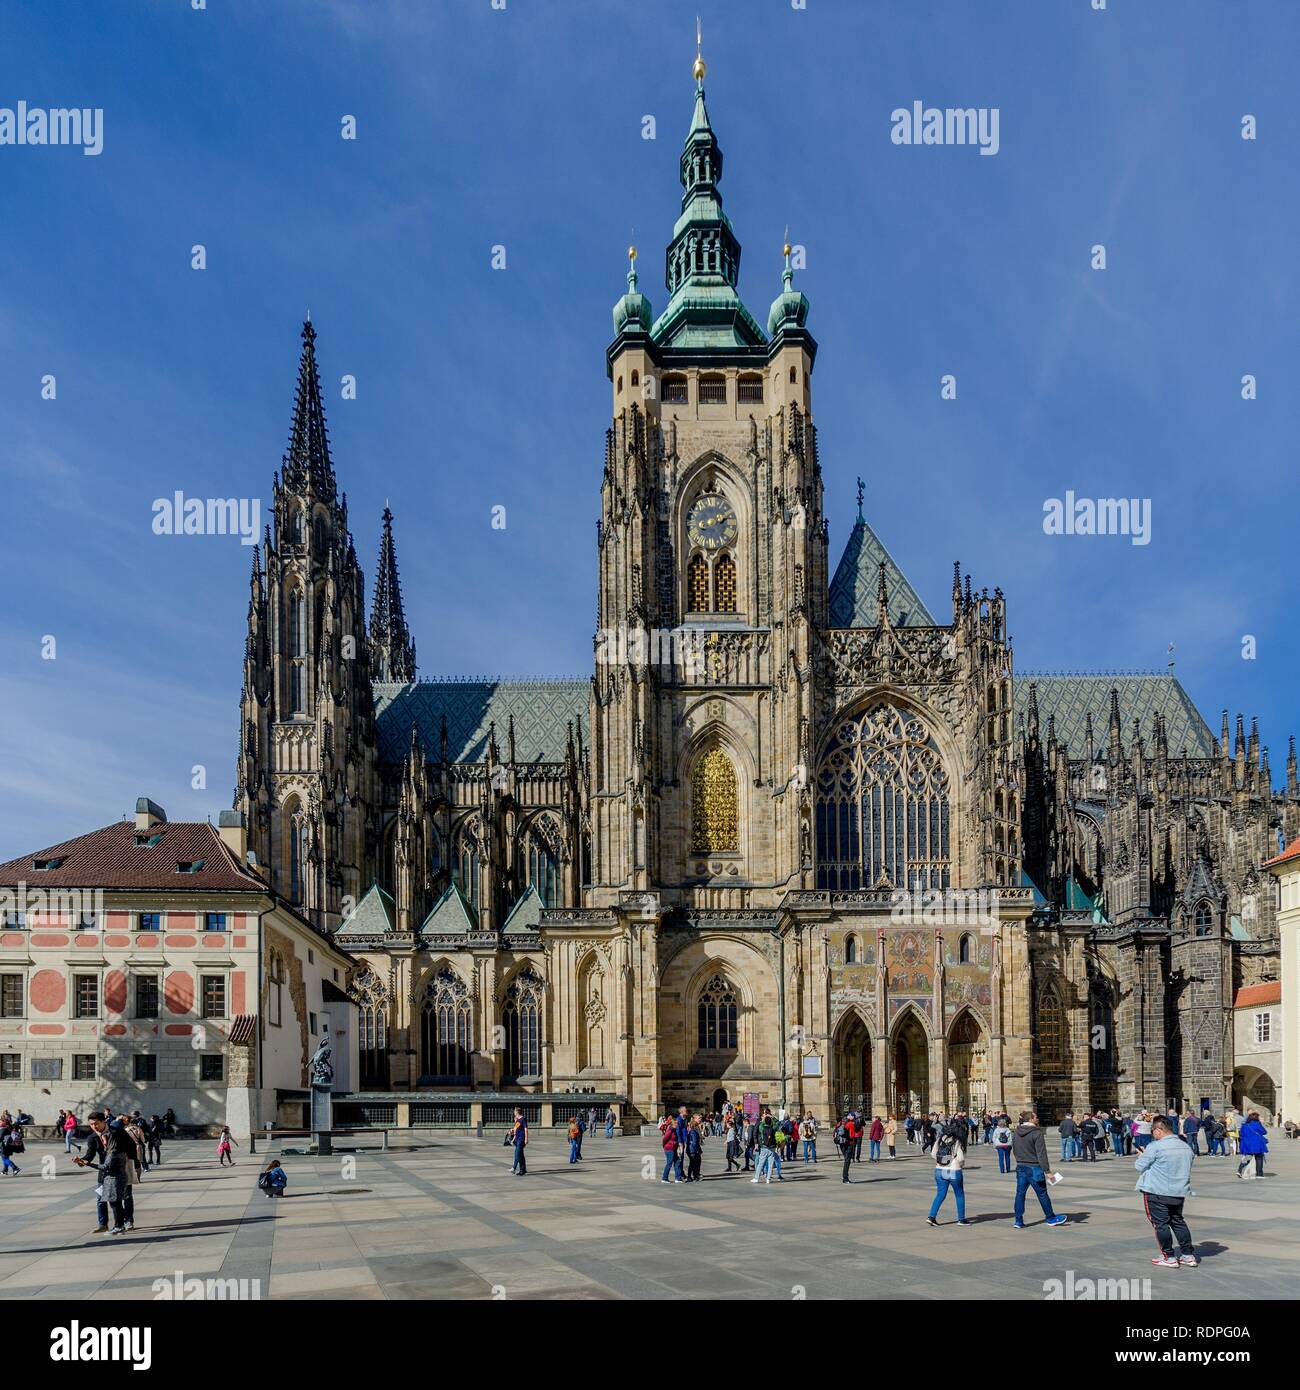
949, 1158
1002, 1144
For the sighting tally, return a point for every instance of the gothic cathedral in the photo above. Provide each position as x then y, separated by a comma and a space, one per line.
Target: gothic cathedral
796, 836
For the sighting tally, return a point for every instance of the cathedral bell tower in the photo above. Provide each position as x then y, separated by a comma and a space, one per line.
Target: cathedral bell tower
712, 559
306, 771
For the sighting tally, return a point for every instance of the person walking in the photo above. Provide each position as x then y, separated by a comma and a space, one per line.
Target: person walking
518, 1138
732, 1140
69, 1127
694, 1149
8, 1147
874, 1135
1033, 1169
153, 1140
849, 1142
769, 1137
1191, 1129
581, 1118
749, 1139
1088, 1133
1164, 1180
949, 1159
1002, 1145
96, 1148
224, 1141
610, 1120
891, 1134
115, 1178
575, 1139
1253, 1145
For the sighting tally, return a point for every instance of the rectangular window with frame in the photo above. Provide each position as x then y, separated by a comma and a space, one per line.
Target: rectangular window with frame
83, 1066
146, 996
214, 921
146, 1066
1264, 1028
85, 996
214, 996
11, 1066
150, 921
11, 996
212, 1067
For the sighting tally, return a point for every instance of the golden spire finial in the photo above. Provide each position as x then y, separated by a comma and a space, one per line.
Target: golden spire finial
700, 67
788, 247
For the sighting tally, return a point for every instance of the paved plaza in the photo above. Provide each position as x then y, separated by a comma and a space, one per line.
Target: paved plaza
447, 1220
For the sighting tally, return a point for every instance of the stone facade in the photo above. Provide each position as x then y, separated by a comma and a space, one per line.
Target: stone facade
796, 837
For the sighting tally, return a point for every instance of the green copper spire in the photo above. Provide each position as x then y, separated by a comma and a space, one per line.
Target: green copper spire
790, 307
632, 312
703, 258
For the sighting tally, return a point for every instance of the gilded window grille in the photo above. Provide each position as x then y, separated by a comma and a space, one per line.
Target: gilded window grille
724, 584
715, 805
697, 585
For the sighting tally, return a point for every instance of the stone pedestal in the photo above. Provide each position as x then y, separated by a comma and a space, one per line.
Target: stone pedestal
322, 1118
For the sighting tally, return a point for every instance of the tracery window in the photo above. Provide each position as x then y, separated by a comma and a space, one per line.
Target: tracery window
1203, 919
716, 1016
445, 1027
715, 805
542, 862
372, 1027
1049, 1028
882, 805
466, 864
521, 1013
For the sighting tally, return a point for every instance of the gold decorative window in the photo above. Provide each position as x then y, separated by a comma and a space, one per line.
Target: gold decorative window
697, 583
715, 805
724, 584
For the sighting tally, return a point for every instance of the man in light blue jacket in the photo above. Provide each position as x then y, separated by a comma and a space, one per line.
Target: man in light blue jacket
1164, 1180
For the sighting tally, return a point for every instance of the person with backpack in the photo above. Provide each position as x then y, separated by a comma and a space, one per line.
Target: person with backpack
808, 1133
848, 1136
575, 1139
8, 1147
1002, 1145
767, 1140
949, 1160
273, 1179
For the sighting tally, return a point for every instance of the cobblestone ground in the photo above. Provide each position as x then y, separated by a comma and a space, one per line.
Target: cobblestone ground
447, 1220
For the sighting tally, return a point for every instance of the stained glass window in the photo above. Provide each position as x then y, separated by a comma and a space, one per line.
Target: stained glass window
716, 1017
445, 1028
521, 1014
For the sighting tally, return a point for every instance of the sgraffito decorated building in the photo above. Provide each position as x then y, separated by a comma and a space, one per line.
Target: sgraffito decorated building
798, 835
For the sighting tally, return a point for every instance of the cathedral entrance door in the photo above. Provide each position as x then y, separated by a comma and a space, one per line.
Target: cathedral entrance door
911, 1068
719, 1099
851, 1056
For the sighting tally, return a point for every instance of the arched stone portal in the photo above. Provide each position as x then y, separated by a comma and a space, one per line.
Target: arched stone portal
968, 1065
1253, 1089
851, 1058
911, 1066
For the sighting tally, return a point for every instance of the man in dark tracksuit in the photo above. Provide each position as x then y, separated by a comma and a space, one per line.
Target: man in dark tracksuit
1033, 1168
852, 1138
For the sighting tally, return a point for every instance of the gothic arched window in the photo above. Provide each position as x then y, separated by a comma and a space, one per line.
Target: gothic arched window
372, 1027
297, 622
697, 585
466, 864
724, 584
715, 805
851, 951
542, 862
964, 949
521, 1014
1049, 1028
1203, 919
445, 1028
882, 805
716, 1016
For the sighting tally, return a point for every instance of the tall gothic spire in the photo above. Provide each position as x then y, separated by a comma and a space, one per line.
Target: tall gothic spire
392, 653
307, 459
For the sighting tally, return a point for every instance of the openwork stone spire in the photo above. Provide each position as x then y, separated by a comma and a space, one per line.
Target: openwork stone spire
307, 459
392, 653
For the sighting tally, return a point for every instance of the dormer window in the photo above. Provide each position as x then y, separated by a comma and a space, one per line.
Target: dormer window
143, 840
41, 865
189, 866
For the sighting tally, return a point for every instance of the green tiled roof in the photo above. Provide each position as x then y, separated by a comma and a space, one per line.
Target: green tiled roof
854, 588
526, 913
1069, 699
541, 709
372, 916
450, 915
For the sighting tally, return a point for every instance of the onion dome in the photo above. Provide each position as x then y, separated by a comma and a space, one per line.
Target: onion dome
632, 312
790, 307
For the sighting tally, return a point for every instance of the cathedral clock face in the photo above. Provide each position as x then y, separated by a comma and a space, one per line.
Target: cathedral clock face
712, 522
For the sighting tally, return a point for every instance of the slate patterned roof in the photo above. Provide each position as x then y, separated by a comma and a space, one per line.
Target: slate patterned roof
542, 711
854, 587
110, 858
526, 914
449, 916
372, 916
1070, 698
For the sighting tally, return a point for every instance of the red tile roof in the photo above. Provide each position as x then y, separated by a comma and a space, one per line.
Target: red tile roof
1270, 993
1292, 851
110, 858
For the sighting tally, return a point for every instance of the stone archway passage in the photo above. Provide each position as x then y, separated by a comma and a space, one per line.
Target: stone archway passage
911, 1059
968, 1074
1253, 1089
851, 1059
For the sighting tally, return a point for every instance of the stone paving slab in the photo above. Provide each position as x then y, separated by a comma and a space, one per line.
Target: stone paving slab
450, 1222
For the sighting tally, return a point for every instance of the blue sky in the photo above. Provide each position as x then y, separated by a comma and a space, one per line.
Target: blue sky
478, 387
